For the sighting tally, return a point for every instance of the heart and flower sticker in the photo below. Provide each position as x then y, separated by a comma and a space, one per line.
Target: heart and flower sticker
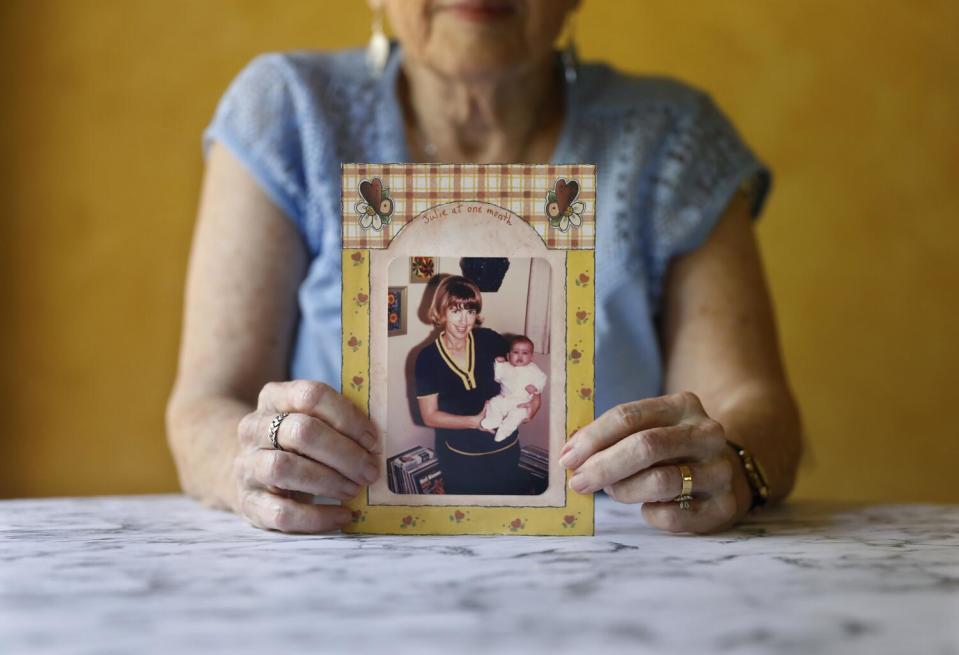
376, 207
562, 208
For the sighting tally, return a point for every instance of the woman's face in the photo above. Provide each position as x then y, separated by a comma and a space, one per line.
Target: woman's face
459, 321
477, 38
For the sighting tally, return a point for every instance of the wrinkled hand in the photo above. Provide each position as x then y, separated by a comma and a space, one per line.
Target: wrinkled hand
329, 448
632, 452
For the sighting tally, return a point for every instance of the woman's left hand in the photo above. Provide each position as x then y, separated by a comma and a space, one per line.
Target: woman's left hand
632, 452
531, 406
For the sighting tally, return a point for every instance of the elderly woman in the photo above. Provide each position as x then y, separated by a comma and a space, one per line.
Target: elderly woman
690, 386
454, 382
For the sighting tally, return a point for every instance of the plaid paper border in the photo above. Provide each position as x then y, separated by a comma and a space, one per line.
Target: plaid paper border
520, 188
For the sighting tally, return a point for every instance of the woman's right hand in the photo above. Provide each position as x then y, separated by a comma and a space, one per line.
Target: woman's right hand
329, 448
479, 419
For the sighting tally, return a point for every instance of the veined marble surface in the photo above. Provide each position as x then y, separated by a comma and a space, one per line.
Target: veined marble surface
161, 574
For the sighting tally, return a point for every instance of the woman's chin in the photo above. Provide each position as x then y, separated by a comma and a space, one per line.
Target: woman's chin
465, 63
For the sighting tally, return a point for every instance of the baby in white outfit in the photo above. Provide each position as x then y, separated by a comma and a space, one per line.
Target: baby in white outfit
519, 379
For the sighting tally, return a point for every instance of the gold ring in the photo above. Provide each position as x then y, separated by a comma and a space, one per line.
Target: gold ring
687, 480
686, 494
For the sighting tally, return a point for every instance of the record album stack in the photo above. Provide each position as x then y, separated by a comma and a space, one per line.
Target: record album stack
415, 471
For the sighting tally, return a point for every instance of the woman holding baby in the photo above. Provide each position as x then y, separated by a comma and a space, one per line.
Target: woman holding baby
454, 383
690, 389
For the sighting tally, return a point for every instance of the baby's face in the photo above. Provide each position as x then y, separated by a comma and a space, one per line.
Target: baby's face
520, 354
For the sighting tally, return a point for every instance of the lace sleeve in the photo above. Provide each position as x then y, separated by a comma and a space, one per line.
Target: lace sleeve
257, 120
703, 164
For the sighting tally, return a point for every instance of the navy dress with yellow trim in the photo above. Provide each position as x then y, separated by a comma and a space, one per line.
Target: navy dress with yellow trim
471, 461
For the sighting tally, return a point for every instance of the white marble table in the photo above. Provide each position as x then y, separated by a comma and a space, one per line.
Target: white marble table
161, 574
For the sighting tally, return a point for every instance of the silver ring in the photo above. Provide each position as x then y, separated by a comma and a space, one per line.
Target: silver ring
275, 428
684, 501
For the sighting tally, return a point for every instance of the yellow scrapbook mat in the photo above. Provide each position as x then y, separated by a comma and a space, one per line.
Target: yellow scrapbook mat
519, 240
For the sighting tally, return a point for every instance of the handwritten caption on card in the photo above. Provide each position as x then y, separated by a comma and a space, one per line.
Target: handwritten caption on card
459, 209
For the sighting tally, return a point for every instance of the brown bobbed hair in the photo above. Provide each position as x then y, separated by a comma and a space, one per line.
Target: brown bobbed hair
456, 292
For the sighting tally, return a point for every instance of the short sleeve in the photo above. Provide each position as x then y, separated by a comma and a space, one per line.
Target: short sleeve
257, 121
703, 164
425, 373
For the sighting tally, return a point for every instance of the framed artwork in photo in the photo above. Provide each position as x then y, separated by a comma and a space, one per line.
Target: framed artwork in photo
422, 269
396, 312
480, 365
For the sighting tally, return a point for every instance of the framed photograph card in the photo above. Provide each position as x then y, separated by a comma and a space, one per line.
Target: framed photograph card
480, 364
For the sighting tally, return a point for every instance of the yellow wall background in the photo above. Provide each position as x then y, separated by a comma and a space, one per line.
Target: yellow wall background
104, 102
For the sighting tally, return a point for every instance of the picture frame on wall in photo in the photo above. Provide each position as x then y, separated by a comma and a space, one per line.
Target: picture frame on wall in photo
396, 311
422, 269
477, 375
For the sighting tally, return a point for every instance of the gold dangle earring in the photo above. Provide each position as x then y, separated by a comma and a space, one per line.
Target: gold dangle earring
378, 51
569, 58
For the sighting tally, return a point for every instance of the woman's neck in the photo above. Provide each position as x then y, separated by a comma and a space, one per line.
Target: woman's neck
494, 119
456, 345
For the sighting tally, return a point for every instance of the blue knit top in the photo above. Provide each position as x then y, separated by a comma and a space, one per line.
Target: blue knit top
668, 162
